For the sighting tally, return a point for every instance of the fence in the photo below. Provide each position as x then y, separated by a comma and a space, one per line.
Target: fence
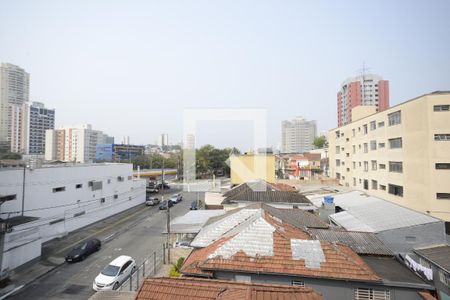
149, 267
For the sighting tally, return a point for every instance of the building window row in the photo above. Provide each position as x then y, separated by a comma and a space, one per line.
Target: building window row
394, 118
396, 190
443, 196
442, 166
441, 108
395, 143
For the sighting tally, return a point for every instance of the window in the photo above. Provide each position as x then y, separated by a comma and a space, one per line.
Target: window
347, 140
442, 137
374, 185
395, 190
366, 184
338, 162
354, 181
8, 198
59, 189
102, 200
366, 166
298, 283
396, 166
442, 166
441, 108
371, 294
120, 178
78, 186
374, 165
443, 195
354, 165
380, 124
90, 183
382, 166
373, 145
365, 128
116, 196
338, 149
354, 149
109, 181
395, 143
373, 125
366, 148
394, 118
382, 187
338, 175
353, 132
381, 145
359, 164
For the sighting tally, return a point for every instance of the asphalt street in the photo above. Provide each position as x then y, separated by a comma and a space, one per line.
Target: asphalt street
138, 237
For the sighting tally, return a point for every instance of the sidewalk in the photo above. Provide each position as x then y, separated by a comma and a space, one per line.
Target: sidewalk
54, 251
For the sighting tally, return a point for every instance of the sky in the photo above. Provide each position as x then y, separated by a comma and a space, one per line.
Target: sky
131, 68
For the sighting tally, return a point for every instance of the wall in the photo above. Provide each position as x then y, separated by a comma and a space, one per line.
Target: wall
420, 180
330, 289
250, 167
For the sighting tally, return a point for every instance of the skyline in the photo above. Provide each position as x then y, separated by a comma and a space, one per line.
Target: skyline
130, 71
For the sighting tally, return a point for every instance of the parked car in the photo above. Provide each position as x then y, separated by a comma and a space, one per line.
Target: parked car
114, 274
194, 205
183, 244
175, 198
151, 201
164, 204
160, 186
83, 250
151, 190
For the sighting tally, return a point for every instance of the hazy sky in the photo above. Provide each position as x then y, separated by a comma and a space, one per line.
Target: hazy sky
131, 67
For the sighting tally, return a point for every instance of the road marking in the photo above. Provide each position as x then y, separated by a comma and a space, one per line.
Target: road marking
102, 230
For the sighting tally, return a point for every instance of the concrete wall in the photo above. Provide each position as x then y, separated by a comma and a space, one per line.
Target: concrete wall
250, 167
400, 240
330, 289
420, 179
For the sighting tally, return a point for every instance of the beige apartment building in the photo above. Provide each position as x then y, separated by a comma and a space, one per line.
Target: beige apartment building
250, 166
401, 154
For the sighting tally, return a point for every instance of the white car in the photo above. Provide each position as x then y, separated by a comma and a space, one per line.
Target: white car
114, 274
175, 198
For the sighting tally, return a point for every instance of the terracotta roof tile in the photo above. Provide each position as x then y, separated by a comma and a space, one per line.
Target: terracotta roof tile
206, 289
339, 261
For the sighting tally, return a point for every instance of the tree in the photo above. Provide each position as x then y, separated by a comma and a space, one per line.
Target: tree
320, 142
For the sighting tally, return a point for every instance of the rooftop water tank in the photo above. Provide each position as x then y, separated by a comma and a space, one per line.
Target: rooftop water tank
328, 199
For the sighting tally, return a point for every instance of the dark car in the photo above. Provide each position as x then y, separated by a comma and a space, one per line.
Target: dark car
160, 186
83, 250
194, 205
163, 205
151, 190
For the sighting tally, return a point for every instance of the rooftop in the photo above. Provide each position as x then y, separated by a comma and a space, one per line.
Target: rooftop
371, 214
364, 243
438, 255
262, 191
270, 245
236, 219
207, 289
193, 220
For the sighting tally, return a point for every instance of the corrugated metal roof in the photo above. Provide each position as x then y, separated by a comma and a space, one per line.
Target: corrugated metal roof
439, 255
360, 242
193, 221
372, 214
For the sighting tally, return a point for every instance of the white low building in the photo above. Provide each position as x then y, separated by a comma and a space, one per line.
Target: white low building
59, 199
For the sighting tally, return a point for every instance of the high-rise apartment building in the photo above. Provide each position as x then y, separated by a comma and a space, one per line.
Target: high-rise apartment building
40, 120
401, 154
14, 93
297, 136
189, 142
363, 90
163, 140
74, 143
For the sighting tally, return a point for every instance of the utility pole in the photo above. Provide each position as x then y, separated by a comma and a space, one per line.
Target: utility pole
23, 187
168, 212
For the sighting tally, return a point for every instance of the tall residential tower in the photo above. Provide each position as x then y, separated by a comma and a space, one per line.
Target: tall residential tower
297, 136
365, 90
14, 94
41, 119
